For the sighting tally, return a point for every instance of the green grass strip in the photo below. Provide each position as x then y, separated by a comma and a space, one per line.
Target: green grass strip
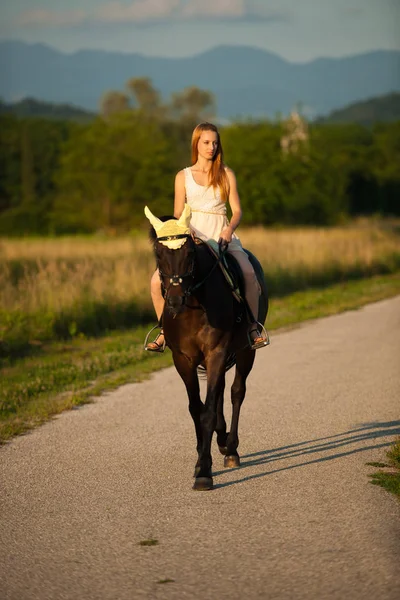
63, 375
389, 478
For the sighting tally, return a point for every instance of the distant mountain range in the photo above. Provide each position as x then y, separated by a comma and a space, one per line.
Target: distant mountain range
383, 109
247, 82
30, 107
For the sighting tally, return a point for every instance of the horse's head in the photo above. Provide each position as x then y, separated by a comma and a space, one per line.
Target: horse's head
174, 250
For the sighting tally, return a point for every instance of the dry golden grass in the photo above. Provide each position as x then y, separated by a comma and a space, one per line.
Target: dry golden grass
317, 249
53, 274
71, 247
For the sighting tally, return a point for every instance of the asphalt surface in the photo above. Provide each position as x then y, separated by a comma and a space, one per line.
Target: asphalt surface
298, 520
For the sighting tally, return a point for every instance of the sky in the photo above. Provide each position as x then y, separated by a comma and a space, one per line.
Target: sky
297, 30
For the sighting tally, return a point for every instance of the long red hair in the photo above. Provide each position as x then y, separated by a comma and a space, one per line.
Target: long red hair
217, 176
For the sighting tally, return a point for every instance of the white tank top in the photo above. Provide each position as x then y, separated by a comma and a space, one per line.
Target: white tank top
208, 210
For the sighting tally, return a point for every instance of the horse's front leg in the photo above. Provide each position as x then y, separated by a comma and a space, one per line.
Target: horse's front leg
188, 373
208, 418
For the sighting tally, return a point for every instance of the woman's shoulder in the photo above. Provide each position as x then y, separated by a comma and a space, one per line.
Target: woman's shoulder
180, 174
180, 180
183, 172
230, 173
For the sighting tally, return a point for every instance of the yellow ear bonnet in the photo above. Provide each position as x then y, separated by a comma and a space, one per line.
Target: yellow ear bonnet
171, 227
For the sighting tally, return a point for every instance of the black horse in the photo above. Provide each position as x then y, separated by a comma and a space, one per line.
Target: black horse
206, 327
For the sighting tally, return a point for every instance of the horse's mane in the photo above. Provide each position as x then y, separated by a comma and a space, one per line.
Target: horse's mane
152, 231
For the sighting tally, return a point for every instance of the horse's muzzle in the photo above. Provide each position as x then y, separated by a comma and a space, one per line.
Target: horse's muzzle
175, 304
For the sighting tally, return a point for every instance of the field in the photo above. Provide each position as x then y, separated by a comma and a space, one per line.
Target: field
75, 311
57, 289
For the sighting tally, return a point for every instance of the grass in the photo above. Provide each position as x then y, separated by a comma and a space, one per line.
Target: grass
58, 289
330, 300
389, 478
299, 258
60, 375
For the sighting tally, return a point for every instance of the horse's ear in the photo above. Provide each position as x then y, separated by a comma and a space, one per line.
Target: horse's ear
184, 219
157, 224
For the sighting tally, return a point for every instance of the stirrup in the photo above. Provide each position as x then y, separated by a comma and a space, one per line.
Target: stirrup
159, 347
263, 333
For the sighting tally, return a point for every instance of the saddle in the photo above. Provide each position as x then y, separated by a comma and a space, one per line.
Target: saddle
231, 271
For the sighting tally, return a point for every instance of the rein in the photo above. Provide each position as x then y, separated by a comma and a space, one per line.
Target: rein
190, 291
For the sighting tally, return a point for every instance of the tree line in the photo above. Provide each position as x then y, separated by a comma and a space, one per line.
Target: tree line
63, 177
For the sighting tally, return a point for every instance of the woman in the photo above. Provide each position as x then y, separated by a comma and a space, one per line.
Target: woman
206, 186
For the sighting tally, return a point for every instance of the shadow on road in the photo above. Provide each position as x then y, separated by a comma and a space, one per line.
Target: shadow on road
363, 433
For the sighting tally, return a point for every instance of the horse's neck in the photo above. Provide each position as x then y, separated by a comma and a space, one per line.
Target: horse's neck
204, 261
213, 288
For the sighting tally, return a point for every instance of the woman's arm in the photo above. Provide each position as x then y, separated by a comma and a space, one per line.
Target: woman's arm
180, 194
234, 203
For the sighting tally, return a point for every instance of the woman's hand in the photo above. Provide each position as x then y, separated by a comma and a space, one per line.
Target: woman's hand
226, 235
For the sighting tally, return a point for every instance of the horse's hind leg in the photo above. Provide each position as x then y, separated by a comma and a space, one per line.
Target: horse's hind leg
244, 364
220, 428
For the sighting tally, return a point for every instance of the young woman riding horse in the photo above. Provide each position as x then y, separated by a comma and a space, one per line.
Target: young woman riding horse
204, 324
206, 186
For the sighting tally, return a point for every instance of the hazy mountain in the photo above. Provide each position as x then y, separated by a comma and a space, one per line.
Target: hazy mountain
246, 81
382, 109
30, 107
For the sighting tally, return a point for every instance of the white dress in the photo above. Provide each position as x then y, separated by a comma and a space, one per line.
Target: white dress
208, 211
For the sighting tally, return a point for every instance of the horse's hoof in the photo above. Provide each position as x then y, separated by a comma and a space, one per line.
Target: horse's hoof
230, 462
196, 471
223, 450
202, 484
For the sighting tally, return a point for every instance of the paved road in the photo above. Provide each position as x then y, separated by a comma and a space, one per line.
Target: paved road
298, 520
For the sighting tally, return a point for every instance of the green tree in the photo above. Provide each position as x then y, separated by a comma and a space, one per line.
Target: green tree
277, 188
147, 98
113, 102
29, 154
385, 167
109, 171
192, 105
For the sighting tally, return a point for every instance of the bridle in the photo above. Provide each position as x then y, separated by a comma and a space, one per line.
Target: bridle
177, 279
174, 278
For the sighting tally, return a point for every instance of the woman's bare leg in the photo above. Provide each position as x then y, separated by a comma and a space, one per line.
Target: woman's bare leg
252, 290
158, 302
156, 295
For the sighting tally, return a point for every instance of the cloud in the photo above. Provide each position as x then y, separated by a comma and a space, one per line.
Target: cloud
148, 11
214, 8
51, 18
137, 12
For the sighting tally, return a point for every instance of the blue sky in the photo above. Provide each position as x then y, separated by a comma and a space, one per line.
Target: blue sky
298, 30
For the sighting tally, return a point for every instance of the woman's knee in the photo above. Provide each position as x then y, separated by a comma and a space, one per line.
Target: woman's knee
155, 283
246, 266
250, 278
249, 275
